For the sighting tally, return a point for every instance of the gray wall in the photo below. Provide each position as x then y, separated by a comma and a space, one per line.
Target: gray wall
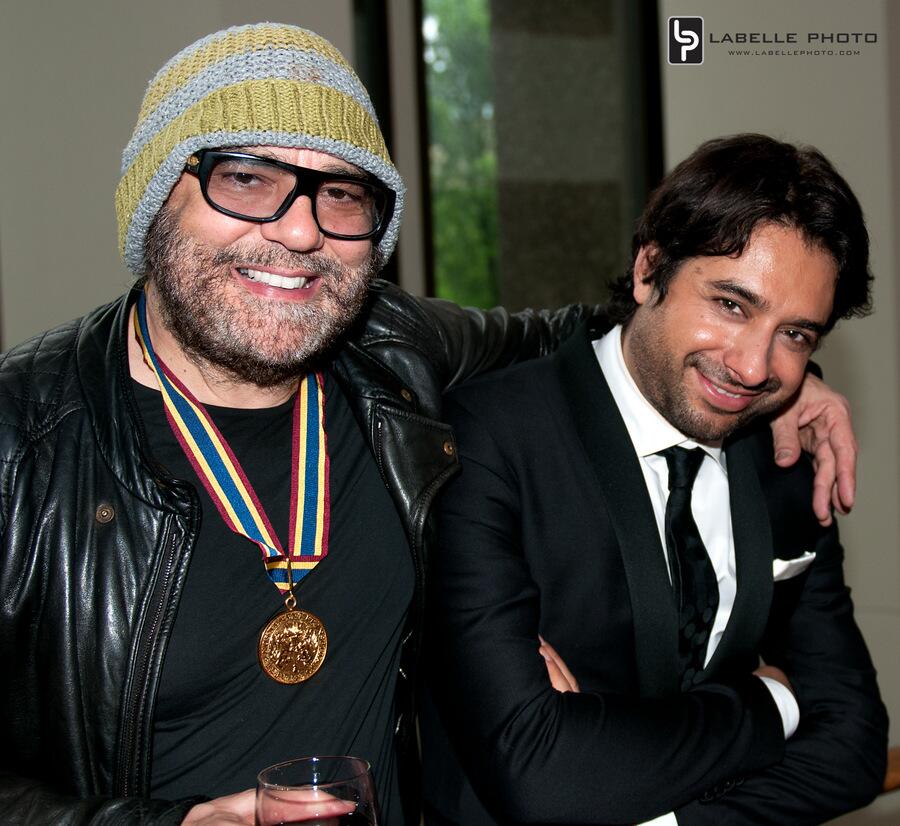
848, 106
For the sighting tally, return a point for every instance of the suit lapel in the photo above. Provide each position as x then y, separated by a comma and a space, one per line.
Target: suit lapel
611, 454
753, 559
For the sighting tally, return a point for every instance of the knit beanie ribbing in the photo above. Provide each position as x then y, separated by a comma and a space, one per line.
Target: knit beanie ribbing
265, 84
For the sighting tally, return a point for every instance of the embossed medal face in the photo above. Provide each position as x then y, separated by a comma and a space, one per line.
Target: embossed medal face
292, 646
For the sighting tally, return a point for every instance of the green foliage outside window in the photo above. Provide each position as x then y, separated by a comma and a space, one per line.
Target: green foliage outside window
462, 158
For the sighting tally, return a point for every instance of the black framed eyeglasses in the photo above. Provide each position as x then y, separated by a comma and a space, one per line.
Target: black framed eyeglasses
252, 188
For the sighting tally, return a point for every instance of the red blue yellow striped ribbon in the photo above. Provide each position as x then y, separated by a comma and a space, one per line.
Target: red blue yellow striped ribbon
228, 486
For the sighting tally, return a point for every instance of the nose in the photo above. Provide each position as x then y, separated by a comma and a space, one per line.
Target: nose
748, 357
296, 230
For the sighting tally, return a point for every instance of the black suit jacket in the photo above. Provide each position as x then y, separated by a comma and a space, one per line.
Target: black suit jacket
549, 530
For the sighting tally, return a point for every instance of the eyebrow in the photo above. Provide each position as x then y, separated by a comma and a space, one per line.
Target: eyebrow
807, 324
758, 302
351, 171
753, 299
331, 169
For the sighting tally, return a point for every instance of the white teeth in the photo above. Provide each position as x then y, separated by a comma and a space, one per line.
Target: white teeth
274, 280
724, 392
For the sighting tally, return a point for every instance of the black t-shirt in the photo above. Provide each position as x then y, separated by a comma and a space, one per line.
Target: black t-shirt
219, 719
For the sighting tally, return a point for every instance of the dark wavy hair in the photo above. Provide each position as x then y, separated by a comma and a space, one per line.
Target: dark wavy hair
713, 200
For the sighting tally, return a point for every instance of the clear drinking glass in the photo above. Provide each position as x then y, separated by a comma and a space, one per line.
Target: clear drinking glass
316, 791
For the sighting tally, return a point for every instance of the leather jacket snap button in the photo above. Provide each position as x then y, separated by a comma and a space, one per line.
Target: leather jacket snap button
104, 514
448, 448
406, 394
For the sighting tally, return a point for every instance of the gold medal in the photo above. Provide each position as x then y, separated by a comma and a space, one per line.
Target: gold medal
292, 646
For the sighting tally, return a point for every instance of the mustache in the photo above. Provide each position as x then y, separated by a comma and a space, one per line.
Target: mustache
315, 262
720, 375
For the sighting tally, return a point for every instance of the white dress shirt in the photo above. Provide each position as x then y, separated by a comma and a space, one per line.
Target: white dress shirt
650, 433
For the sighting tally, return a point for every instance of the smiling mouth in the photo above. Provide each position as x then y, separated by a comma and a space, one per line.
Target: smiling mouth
727, 401
271, 279
723, 392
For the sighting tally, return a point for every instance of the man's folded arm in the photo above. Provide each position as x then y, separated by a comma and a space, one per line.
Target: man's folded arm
835, 762
532, 753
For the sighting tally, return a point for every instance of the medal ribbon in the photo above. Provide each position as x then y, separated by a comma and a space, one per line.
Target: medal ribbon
225, 480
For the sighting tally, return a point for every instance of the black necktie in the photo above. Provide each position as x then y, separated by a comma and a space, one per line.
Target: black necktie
693, 577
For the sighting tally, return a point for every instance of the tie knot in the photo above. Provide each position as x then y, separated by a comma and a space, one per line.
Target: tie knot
683, 465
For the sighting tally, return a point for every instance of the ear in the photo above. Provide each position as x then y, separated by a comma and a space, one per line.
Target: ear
642, 289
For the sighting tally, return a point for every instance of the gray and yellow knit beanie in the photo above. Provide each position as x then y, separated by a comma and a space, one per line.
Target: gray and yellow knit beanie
265, 84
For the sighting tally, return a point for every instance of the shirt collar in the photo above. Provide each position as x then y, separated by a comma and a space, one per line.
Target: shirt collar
650, 432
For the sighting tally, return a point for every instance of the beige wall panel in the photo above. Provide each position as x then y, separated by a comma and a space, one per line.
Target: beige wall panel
848, 106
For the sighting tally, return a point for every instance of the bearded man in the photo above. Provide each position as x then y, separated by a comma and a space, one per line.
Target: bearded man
216, 490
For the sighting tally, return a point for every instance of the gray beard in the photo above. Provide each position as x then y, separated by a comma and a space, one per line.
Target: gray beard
261, 342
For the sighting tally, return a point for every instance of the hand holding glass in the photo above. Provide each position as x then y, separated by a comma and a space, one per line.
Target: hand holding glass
316, 791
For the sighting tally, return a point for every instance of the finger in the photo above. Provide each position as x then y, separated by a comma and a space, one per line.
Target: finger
560, 676
325, 808
836, 502
786, 438
829, 425
573, 683
295, 805
547, 649
557, 678
823, 484
845, 455
838, 447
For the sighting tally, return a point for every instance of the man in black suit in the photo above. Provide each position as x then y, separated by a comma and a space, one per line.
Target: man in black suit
619, 500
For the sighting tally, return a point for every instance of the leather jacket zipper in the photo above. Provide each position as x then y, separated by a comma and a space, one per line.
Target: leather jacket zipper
130, 768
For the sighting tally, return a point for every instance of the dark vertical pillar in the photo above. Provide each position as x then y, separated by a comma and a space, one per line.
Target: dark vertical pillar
577, 146
371, 46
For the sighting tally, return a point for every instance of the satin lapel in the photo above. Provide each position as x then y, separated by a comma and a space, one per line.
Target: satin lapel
753, 554
611, 454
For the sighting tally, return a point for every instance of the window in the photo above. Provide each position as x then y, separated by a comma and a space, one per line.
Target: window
543, 139
462, 155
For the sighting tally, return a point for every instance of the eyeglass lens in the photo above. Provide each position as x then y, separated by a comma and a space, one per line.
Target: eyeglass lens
257, 189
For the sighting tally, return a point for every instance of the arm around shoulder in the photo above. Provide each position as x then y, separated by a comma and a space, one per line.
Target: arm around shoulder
466, 341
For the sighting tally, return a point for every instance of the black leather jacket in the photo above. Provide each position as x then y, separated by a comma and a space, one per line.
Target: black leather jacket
97, 540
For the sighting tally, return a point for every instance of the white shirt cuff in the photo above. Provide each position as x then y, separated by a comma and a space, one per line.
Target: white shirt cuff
787, 705
662, 820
